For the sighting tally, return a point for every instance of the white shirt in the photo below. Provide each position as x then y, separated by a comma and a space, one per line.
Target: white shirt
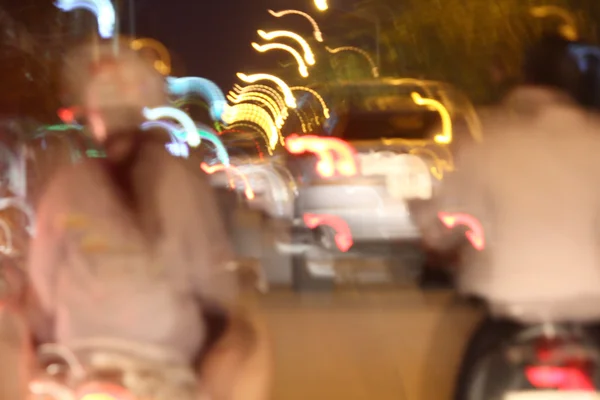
96, 275
534, 184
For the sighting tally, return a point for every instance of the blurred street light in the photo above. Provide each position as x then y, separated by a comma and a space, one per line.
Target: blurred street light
163, 64
569, 27
323, 6
374, 69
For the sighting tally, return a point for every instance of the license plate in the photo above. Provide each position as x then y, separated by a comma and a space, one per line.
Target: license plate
552, 395
407, 187
407, 176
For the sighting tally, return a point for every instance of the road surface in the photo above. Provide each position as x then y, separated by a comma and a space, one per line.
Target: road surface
366, 344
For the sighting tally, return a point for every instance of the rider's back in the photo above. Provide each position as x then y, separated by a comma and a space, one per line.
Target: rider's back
110, 281
536, 192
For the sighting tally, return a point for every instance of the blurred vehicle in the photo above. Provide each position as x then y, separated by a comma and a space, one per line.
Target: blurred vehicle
108, 369
554, 361
259, 180
354, 184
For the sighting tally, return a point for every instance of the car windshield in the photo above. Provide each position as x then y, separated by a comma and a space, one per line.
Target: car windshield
389, 124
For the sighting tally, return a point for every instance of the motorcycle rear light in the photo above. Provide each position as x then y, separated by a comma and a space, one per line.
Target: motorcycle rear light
334, 155
562, 370
563, 378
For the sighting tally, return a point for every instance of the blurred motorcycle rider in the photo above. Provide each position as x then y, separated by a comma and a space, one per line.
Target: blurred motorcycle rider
130, 247
533, 186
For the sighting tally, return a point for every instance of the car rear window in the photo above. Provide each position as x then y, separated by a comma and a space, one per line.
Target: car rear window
390, 124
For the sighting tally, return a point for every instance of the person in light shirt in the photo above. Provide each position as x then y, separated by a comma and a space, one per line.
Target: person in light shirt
533, 185
132, 247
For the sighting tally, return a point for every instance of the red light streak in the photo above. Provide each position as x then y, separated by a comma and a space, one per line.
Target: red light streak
564, 378
211, 169
474, 234
334, 154
343, 236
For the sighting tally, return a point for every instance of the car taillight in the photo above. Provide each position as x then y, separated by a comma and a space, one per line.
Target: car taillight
343, 236
103, 391
474, 234
334, 156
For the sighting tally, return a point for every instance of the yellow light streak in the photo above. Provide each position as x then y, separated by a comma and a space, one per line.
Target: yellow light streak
316, 31
254, 114
445, 137
288, 96
267, 90
309, 56
259, 98
164, 64
374, 69
183, 101
301, 119
569, 27
317, 96
302, 68
253, 128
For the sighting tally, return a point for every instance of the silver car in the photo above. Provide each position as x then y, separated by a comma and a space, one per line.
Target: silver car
390, 153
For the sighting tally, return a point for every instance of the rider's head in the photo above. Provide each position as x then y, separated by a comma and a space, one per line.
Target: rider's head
112, 84
549, 63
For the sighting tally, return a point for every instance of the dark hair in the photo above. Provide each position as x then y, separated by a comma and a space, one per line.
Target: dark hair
549, 63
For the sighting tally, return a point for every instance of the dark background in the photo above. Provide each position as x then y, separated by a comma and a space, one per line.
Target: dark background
212, 37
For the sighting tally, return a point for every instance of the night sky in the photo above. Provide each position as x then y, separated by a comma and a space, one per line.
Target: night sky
213, 37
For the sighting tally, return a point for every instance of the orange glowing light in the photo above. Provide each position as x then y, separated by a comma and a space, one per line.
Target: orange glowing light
474, 234
334, 154
211, 169
343, 236
67, 115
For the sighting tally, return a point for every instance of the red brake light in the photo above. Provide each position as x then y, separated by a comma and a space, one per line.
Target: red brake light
334, 155
475, 233
564, 378
343, 236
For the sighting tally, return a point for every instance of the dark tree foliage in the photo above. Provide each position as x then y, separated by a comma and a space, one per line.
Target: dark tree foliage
33, 40
475, 44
